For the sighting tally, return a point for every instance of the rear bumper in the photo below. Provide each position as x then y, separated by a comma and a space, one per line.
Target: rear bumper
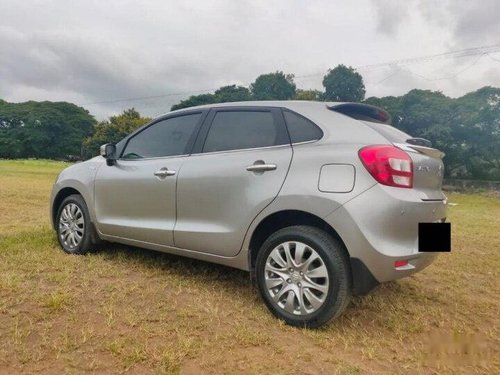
363, 280
380, 226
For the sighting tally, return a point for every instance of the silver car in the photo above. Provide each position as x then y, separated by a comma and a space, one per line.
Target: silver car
319, 201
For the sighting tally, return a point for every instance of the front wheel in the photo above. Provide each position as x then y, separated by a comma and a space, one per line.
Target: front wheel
74, 229
303, 276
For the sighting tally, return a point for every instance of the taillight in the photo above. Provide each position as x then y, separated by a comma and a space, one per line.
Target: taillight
389, 165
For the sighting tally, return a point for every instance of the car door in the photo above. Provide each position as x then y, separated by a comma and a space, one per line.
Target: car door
135, 197
241, 161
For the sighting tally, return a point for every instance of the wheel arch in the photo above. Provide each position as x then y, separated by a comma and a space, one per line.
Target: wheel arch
60, 196
362, 280
283, 219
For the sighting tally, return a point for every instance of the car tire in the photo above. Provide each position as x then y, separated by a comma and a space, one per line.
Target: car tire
75, 231
310, 285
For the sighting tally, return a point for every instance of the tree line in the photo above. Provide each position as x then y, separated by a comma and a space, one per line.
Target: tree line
467, 128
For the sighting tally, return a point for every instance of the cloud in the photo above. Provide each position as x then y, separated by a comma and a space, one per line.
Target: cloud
93, 51
391, 15
476, 21
467, 23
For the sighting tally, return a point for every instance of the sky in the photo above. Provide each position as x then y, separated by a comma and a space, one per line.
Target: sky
157, 52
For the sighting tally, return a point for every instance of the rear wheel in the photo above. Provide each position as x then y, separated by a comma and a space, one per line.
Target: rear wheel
303, 276
74, 229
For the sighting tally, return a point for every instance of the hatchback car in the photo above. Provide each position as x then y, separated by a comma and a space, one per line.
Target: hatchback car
319, 201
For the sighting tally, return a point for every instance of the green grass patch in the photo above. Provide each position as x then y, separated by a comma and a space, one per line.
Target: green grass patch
126, 309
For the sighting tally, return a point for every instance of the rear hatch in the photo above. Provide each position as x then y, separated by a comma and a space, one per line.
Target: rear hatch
428, 168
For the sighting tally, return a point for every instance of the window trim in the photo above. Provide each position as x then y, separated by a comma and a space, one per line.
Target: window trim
154, 158
283, 110
240, 150
190, 144
207, 125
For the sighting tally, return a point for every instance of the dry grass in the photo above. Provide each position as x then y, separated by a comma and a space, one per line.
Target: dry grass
135, 311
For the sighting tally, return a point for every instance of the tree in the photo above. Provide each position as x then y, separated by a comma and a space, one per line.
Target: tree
308, 95
476, 127
391, 104
425, 114
194, 100
273, 86
43, 129
114, 130
232, 93
343, 84
467, 129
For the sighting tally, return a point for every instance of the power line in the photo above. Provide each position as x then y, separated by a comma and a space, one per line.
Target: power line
483, 50
456, 54
413, 60
458, 72
491, 57
450, 76
386, 78
150, 97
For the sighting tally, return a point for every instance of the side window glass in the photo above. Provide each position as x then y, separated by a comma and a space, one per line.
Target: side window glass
168, 137
236, 130
300, 128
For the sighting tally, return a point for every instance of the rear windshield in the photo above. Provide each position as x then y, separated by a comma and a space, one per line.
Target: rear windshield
374, 117
392, 134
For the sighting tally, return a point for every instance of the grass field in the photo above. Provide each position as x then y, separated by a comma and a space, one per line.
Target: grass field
135, 311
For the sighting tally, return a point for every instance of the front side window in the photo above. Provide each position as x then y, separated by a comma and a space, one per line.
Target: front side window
167, 137
300, 128
236, 130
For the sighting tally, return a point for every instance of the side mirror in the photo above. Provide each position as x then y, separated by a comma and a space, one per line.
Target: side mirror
108, 151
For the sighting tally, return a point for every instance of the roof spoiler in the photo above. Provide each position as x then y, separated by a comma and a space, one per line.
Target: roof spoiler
429, 151
359, 111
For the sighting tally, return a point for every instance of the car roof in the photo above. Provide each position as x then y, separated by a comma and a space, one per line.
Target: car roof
358, 111
343, 116
294, 105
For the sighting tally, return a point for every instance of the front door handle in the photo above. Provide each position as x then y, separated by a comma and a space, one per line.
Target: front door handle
164, 172
261, 167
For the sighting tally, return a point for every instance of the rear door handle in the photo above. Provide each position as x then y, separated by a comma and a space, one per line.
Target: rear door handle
164, 172
261, 167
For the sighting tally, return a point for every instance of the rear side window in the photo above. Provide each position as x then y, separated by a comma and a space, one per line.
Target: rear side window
300, 128
167, 137
236, 130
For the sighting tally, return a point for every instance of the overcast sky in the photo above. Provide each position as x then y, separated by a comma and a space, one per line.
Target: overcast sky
102, 51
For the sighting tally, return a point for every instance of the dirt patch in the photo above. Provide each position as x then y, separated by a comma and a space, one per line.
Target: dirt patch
129, 310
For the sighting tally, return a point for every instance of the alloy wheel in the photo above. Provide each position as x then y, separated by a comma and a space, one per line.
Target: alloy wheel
71, 226
296, 278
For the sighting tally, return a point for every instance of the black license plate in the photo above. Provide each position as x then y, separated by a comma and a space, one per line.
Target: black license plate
434, 237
